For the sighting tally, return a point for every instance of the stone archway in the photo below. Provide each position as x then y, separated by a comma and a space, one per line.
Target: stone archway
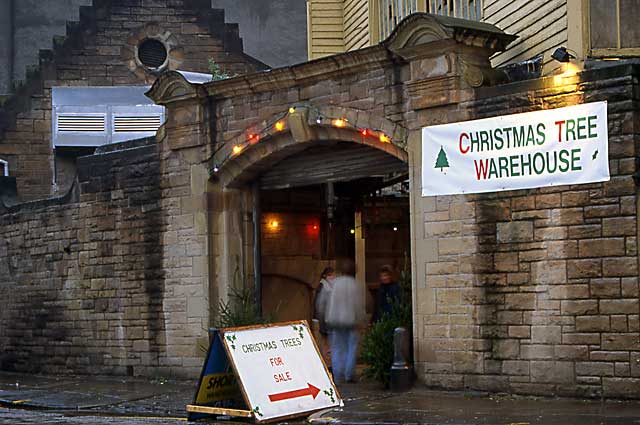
425, 73
288, 136
262, 145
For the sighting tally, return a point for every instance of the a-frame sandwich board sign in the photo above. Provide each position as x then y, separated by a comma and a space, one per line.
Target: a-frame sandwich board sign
218, 392
279, 370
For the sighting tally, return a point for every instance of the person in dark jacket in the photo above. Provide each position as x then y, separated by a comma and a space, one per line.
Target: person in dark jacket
320, 310
388, 292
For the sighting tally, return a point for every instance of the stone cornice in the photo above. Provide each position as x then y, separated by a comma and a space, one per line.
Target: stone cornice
420, 29
301, 74
172, 87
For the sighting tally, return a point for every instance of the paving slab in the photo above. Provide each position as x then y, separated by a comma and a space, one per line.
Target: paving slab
425, 407
103, 394
366, 403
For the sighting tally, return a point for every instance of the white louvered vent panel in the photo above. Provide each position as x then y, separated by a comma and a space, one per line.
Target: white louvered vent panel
136, 124
81, 123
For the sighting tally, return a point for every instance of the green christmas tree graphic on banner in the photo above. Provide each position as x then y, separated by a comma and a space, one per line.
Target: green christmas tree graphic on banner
442, 161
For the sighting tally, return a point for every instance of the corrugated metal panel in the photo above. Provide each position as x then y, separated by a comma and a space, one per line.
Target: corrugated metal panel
94, 116
339, 162
91, 96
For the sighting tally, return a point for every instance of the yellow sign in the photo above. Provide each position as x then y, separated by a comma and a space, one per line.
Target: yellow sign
216, 387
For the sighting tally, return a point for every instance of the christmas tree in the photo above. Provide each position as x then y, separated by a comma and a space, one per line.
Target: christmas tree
442, 161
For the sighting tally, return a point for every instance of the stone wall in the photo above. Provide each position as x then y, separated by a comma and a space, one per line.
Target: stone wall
100, 50
85, 278
536, 291
100, 284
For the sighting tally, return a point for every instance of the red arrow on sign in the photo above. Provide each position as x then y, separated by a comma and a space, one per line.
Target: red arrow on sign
310, 390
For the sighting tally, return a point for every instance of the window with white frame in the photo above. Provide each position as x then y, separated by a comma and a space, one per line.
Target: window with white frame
4, 168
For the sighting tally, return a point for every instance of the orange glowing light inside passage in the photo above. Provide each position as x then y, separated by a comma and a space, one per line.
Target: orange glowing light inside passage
237, 149
279, 126
312, 229
339, 122
274, 224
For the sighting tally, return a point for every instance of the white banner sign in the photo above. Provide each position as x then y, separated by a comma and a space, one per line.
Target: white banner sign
280, 370
521, 151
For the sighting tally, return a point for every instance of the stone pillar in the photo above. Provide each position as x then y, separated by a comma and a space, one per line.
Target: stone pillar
187, 201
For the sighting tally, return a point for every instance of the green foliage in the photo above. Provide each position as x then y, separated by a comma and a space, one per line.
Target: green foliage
218, 73
241, 308
377, 344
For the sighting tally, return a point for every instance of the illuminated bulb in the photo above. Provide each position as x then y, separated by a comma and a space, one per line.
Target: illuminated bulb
237, 149
352, 231
395, 229
384, 138
315, 227
274, 224
279, 126
319, 120
292, 110
339, 122
364, 132
215, 169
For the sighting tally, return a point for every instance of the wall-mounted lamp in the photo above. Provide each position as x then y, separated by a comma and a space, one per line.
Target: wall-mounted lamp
562, 55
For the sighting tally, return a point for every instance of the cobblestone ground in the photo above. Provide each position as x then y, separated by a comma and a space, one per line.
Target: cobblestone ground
26, 417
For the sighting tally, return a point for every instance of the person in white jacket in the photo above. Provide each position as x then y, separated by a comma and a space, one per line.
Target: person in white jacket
344, 316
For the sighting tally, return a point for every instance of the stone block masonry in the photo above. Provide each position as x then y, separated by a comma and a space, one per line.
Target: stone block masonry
530, 291
100, 50
85, 284
549, 276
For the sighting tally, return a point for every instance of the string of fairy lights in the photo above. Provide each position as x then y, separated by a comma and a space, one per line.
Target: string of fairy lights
279, 124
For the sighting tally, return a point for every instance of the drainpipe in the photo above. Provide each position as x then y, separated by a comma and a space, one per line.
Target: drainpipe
257, 248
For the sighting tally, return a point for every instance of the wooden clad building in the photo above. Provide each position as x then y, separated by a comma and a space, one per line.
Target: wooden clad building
598, 29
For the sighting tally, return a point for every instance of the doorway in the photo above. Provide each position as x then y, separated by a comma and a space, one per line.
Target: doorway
324, 203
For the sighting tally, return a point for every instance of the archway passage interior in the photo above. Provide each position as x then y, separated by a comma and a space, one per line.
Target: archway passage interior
337, 199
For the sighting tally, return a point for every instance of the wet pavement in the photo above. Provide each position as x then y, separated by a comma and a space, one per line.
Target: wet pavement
112, 395
27, 417
69, 400
422, 406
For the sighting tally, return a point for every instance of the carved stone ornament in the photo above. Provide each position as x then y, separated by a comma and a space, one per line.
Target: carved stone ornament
473, 75
171, 87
